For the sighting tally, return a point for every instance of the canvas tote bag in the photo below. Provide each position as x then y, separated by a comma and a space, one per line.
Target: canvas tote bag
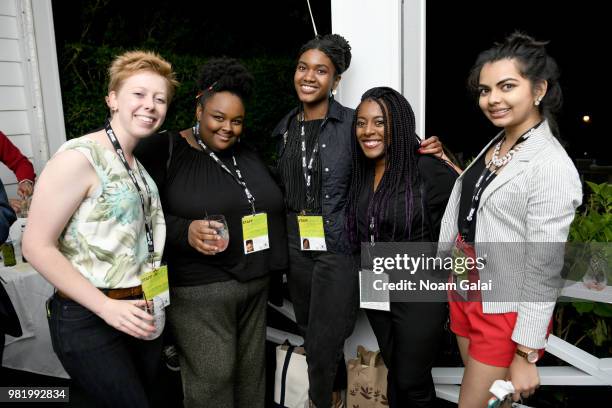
291, 377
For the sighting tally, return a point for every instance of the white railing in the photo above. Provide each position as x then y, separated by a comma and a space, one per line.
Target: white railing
583, 369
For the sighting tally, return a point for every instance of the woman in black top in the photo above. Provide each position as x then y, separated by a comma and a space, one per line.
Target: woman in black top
322, 283
398, 196
217, 315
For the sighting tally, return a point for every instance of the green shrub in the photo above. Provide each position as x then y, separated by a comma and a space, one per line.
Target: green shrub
84, 85
589, 324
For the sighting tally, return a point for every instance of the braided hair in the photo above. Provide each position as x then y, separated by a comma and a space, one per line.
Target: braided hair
224, 74
534, 63
401, 144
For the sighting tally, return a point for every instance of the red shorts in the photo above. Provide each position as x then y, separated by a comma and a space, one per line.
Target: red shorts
490, 334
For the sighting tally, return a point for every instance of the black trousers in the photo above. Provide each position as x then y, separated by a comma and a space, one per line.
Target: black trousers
409, 337
324, 291
116, 369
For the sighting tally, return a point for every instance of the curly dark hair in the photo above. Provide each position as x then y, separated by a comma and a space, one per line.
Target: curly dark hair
534, 64
224, 74
334, 46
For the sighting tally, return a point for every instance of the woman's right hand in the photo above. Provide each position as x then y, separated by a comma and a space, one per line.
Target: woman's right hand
128, 316
200, 234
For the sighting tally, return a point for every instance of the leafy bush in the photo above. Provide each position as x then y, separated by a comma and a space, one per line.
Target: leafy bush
84, 85
590, 322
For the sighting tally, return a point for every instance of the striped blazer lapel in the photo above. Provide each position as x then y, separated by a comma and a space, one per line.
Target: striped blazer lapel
520, 160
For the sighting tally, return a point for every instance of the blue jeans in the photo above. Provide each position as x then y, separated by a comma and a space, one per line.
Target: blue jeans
115, 369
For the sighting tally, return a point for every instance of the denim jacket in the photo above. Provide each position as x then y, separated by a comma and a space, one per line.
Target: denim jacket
336, 166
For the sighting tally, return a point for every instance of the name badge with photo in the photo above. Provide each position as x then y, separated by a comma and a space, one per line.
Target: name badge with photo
155, 286
255, 233
312, 234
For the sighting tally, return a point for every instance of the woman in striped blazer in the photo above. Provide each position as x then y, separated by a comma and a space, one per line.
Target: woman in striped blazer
522, 189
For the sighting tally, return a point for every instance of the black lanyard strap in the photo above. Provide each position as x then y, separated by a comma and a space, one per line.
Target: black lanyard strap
307, 164
147, 214
486, 177
237, 177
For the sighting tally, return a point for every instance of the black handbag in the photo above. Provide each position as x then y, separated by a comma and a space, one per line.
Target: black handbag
9, 322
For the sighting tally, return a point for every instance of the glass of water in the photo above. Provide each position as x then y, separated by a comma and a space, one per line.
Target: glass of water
219, 223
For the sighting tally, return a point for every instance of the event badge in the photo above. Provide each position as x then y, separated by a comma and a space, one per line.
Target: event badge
155, 286
459, 259
373, 290
255, 233
312, 235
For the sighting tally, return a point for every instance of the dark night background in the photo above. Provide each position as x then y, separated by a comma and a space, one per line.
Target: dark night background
456, 33
266, 35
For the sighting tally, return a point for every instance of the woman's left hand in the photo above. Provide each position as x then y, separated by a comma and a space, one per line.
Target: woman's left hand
431, 145
524, 377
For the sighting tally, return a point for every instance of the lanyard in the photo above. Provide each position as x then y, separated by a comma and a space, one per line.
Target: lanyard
372, 206
147, 216
307, 164
484, 180
237, 177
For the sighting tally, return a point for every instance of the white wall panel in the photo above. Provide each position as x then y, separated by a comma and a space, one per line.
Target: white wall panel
9, 50
12, 98
14, 122
10, 74
8, 26
7, 8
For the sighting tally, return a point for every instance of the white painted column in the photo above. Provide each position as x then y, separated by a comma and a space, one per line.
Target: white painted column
55, 130
388, 46
413, 64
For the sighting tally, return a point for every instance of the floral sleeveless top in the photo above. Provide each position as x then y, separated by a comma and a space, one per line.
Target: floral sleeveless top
105, 239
